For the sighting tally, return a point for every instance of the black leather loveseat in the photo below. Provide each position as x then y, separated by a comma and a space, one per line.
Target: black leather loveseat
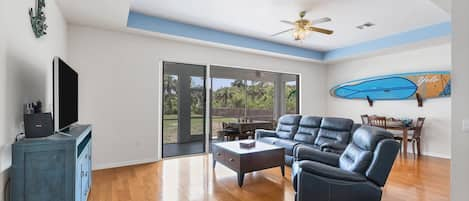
356, 175
313, 133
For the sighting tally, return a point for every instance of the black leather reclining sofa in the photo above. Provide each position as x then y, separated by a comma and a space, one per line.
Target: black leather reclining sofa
326, 134
333, 158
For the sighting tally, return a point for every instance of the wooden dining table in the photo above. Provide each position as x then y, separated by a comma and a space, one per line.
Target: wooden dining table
250, 126
399, 126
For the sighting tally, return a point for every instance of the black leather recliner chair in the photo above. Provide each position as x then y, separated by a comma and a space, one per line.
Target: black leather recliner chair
357, 175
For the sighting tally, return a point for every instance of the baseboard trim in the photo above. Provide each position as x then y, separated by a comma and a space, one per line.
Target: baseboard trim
123, 164
437, 155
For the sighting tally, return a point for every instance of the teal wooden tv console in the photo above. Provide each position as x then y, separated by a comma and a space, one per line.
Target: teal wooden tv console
54, 168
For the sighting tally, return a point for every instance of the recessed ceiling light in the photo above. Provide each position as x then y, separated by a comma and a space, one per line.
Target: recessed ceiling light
366, 25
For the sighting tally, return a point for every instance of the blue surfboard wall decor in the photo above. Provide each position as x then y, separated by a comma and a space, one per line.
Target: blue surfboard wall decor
397, 86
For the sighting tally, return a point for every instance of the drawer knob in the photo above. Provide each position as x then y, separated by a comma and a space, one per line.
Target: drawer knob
231, 160
218, 153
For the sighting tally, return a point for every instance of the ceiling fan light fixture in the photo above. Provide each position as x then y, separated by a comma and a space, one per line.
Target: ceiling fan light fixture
299, 34
302, 27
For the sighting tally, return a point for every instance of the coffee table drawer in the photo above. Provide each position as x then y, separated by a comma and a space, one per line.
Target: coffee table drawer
218, 154
232, 160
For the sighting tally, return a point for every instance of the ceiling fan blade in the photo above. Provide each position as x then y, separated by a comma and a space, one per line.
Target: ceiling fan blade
321, 20
320, 30
288, 30
287, 22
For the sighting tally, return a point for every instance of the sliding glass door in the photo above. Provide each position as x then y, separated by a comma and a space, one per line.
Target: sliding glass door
250, 95
238, 97
183, 109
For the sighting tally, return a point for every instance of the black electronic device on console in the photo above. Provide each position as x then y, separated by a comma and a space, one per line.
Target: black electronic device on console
38, 125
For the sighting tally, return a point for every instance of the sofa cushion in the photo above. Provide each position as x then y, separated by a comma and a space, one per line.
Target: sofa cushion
287, 126
308, 129
338, 124
331, 136
367, 137
334, 130
355, 159
289, 145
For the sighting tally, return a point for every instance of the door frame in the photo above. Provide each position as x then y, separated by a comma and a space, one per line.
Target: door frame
160, 107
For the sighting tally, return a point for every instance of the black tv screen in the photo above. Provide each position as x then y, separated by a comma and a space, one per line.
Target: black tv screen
65, 95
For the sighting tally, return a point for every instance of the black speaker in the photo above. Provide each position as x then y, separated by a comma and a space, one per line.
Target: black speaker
38, 125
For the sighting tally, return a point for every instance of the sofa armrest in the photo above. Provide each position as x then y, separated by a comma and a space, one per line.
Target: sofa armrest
316, 181
330, 172
333, 147
260, 133
303, 152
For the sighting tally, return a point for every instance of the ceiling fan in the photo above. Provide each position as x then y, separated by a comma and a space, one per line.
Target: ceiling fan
302, 27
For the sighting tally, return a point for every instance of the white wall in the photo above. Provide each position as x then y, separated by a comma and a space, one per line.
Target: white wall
119, 85
437, 128
460, 108
27, 75
3, 173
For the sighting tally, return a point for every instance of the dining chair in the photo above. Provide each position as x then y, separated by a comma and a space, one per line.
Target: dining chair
244, 119
228, 132
365, 119
274, 124
377, 121
415, 136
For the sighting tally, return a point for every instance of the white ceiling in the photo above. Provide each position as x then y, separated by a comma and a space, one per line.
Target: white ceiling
100, 13
260, 18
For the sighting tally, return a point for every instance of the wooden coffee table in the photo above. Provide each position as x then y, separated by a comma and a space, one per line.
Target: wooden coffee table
241, 160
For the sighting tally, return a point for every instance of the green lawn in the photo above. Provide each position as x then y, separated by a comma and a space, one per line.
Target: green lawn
170, 125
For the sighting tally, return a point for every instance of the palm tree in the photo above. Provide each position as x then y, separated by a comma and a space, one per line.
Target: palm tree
238, 83
169, 90
224, 94
170, 84
257, 91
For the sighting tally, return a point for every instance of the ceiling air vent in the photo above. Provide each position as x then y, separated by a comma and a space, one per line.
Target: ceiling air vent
366, 25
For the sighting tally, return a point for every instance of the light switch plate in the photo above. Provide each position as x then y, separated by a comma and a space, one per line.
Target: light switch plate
465, 125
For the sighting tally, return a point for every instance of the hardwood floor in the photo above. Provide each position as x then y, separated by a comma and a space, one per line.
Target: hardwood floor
192, 178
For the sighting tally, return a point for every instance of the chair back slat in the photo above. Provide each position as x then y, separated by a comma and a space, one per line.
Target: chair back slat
365, 119
377, 121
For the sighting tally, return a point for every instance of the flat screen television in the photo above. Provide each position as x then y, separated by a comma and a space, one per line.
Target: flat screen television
65, 100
